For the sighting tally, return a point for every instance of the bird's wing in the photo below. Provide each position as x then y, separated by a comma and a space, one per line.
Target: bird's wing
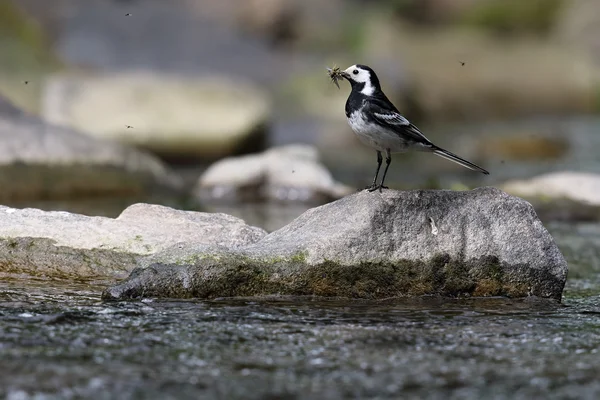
386, 114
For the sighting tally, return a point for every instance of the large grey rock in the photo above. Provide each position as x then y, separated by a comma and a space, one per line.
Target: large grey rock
371, 245
171, 115
289, 173
39, 160
64, 245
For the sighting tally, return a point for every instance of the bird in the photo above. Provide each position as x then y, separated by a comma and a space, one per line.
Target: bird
379, 124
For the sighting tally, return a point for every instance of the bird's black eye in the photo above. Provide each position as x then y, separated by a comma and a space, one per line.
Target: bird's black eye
355, 72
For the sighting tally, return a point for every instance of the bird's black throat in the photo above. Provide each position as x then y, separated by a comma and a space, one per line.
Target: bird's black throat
355, 100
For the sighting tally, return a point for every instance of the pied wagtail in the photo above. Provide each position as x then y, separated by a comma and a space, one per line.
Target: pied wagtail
378, 124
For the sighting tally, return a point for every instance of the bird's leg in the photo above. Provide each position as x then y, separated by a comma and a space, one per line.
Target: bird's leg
374, 184
388, 161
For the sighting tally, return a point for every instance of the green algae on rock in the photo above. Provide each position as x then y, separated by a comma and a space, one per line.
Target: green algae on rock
377, 245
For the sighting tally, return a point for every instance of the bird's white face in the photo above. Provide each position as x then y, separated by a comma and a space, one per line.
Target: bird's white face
360, 75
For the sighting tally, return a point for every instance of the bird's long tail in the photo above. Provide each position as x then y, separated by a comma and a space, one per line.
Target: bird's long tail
453, 157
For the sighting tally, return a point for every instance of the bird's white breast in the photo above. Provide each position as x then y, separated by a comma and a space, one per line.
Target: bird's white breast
374, 135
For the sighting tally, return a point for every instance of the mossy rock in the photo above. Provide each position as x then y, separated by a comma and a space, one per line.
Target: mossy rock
376, 245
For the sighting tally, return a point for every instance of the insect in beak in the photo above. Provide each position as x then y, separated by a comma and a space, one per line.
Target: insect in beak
335, 74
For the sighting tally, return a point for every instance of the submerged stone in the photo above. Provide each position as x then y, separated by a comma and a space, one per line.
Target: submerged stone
482, 242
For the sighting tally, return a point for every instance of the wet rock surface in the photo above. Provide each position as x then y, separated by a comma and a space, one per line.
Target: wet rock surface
77, 247
40, 160
175, 116
371, 245
288, 174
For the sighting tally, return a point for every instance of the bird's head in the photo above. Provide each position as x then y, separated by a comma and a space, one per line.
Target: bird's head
362, 79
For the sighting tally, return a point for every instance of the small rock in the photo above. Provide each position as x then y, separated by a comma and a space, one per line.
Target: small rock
65, 245
578, 186
376, 245
39, 160
175, 117
289, 174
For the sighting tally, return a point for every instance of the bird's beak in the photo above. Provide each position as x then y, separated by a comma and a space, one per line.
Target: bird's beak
345, 75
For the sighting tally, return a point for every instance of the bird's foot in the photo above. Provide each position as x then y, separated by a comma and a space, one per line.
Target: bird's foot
373, 188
